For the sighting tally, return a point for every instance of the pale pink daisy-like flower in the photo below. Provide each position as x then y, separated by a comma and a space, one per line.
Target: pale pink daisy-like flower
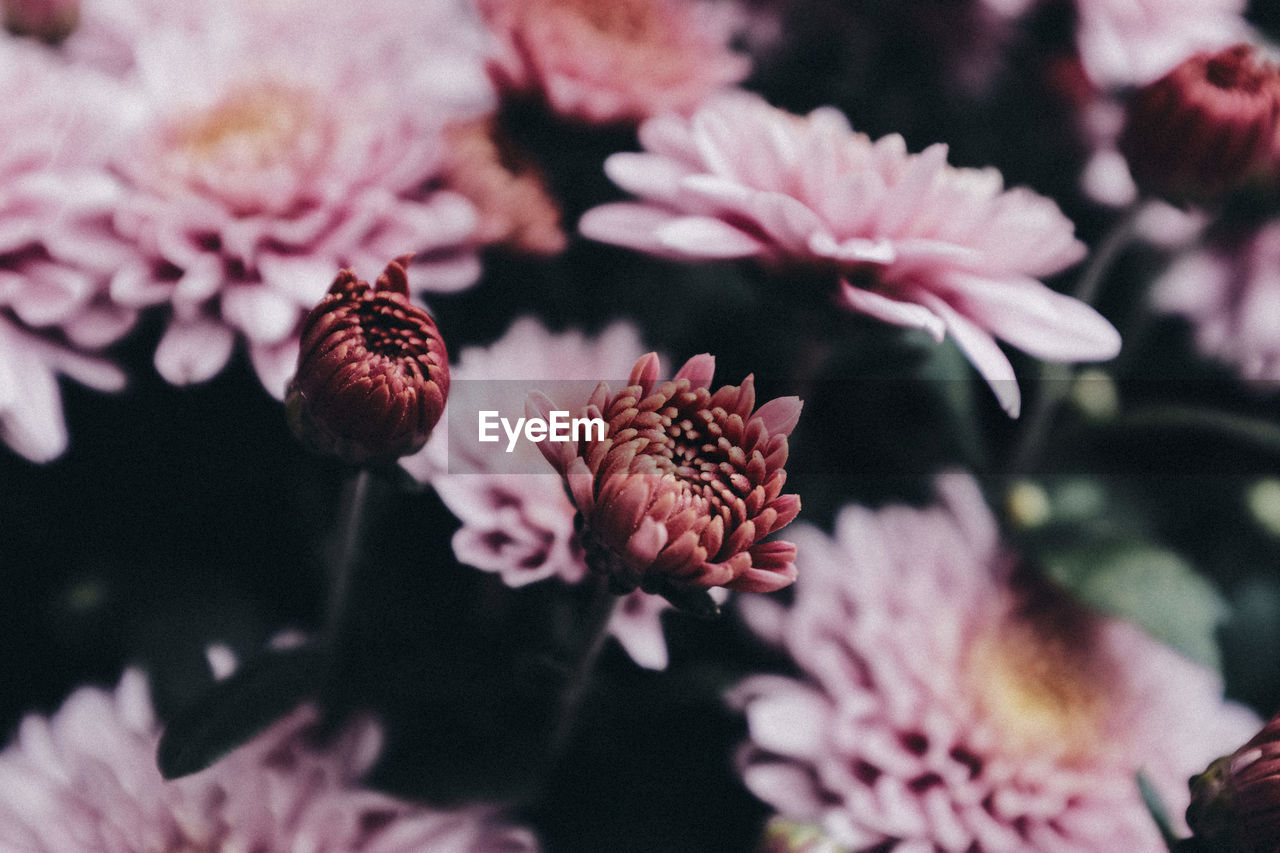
1230, 292
950, 703
86, 779
280, 144
618, 61
1132, 42
681, 487
912, 240
517, 521
56, 251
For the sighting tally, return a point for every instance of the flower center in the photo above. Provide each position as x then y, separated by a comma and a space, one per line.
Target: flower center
1239, 69
390, 331
250, 127
626, 20
1041, 679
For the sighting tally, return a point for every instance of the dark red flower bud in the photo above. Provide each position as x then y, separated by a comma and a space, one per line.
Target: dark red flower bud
373, 372
1235, 803
50, 21
1206, 128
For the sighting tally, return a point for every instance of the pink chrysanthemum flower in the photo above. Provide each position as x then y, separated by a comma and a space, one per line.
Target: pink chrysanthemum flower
1132, 42
623, 60
949, 704
86, 779
281, 143
682, 487
56, 252
1231, 294
517, 521
913, 241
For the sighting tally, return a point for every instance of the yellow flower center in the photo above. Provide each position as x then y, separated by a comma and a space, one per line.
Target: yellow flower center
626, 20
1042, 679
251, 127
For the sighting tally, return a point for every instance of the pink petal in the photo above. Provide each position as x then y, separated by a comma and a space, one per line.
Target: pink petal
780, 415
981, 350
645, 372
891, 311
275, 365
627, 224
193, 352
649, 175
698, 370
1035, 318
643, 545
705, 237
265, 317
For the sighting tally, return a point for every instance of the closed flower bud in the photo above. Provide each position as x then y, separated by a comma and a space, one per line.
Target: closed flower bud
681, 491
373, 372
1235, 803
48, 20
1207, 128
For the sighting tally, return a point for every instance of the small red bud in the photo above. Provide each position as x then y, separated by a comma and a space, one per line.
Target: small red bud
373, 372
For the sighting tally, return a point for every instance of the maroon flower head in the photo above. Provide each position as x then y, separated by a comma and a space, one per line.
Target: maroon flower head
1235, 803
373, 372
48, 20
685, 484
1206, 128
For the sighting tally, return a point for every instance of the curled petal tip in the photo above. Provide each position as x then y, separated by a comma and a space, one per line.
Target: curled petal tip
395, 278
780, 416
645, 373
698, 370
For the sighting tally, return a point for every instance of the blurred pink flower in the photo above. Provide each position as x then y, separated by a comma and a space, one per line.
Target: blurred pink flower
56, 251
282, 141
949, 704
683, 485
1132, 42
505, 185
516, 519
1230, 291
86, 779
623, 60
914, 242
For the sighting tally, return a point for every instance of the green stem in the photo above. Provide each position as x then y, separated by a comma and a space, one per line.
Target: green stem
1258, 432
599, 613
1055, 378
354, 505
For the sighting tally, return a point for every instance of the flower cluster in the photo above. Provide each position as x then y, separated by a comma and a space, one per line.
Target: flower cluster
517, 521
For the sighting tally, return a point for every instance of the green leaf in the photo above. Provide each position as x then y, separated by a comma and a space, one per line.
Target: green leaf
1156, 808
237, 708
1151, 586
